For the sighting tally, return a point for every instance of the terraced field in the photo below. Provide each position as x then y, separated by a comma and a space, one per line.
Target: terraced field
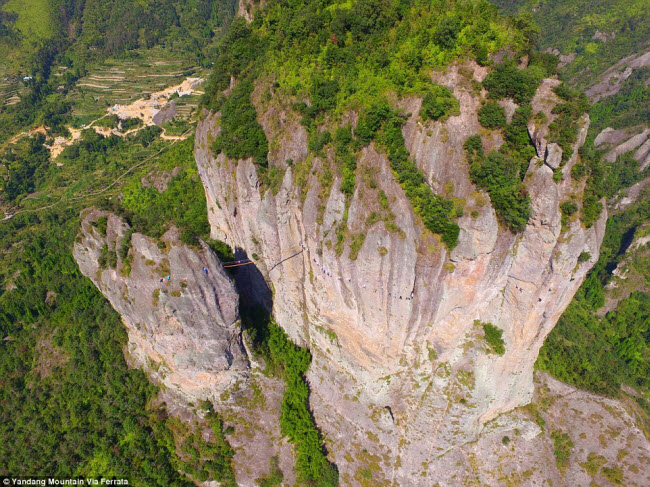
10, 90
121, 82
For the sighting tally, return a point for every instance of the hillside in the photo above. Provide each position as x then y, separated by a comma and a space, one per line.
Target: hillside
70, 405
603, 47
323, 243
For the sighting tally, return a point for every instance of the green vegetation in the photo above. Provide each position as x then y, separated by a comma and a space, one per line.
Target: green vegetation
627, 108
599, 353
494, 338
33, 19
56, 42
563, 446
500, 176
507, 81
594, 463
614, 475
439, 103
603, 179
24, 166
91, 29
502, 173
384, 125
296, 422
356, 56
181, 204
568, 209
275, 476
564, 129
570, 27
492, 116
193, 455
241, 135
69, 405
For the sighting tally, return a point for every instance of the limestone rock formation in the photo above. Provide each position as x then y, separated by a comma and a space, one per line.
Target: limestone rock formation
553, 157
598, 440
400, 367
611, 81
184, 329
185, 333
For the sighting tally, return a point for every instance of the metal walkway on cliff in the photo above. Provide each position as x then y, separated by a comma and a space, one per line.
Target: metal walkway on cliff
299, 249
294, 250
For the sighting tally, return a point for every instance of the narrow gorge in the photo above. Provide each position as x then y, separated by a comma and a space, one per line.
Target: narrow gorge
376, 236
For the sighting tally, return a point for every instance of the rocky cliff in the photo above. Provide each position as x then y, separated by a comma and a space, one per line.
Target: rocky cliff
179, 306
401, 373
181, 314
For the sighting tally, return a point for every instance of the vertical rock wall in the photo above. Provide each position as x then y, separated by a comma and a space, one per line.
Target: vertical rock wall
398, 356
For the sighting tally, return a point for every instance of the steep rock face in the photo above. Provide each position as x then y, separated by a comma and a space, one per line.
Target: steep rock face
518, 447
184, 332
400, 368
185, 329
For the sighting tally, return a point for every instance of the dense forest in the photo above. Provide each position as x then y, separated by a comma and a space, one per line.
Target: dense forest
69, 405
84, 30
68, 402
573, 27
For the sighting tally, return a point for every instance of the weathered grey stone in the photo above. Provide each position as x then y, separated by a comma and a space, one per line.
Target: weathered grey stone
603, 36
543, 102
184, 332
627, 146
185, 329
611, 81
394, 326
642, 155
610, 136
553, 157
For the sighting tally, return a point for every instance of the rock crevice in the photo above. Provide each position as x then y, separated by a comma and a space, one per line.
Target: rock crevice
395, 322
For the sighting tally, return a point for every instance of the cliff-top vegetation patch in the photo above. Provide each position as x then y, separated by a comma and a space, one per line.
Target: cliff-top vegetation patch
329, 57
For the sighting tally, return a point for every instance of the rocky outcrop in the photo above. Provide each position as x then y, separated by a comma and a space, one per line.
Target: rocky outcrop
401, 374
181, 314
629, 145
543, 102
182, 321
611, 81
553, 157
625, 140
598, 436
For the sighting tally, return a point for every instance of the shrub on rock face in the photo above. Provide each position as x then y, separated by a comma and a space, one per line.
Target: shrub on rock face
506, 81
439, 103
494, 338
569, 208
492, 116
498, 174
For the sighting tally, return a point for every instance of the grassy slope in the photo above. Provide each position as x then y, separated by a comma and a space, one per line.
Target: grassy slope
34, 24
34, 20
